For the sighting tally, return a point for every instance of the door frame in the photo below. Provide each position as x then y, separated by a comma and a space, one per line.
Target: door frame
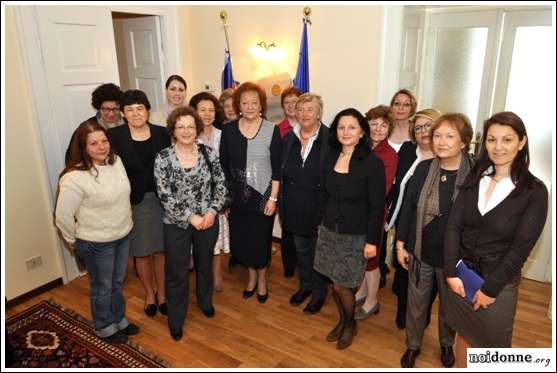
41, 108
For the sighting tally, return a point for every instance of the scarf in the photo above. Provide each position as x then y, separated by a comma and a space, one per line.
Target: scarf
428, 202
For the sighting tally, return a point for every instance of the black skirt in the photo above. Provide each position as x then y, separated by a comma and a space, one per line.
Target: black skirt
251, 237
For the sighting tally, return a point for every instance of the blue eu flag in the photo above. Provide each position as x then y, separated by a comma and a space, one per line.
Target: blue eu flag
227, 79
301, 81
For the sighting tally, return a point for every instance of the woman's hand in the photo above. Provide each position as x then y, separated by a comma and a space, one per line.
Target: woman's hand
402, 256
456, 286
208, 220
370, 251
482, 300
197, 222
270, 208
71, 247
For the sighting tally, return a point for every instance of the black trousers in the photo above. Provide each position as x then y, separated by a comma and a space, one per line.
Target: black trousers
178, 244
310, 279
288, 252
383, 267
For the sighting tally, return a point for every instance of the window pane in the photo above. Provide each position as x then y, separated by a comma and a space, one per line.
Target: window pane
457, 74
528, 94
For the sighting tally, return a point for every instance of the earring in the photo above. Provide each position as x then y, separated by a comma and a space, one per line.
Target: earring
260, 114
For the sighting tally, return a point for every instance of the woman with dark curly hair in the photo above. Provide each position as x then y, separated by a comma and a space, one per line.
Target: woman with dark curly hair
106, 100
353, 205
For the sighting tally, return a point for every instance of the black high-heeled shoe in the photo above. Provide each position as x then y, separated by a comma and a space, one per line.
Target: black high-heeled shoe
151, 309
263, 298
163, 309
248, 293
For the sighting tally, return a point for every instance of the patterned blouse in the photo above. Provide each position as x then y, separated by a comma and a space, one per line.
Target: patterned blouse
184, 192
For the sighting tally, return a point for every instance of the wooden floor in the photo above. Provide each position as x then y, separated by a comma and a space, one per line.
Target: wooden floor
246, 334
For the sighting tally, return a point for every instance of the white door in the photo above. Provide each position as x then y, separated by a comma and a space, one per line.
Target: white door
78, 52
523, 87
412, 36
142, 38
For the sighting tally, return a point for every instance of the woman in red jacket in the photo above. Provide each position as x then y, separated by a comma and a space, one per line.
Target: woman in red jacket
381, 126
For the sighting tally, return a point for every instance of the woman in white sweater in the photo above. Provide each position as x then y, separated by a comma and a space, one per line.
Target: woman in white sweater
93, 214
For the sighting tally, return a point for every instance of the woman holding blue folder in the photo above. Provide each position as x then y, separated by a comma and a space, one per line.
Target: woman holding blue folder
420, 233
494, 224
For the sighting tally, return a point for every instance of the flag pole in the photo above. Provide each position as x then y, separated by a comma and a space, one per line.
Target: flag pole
224, 17
307, 14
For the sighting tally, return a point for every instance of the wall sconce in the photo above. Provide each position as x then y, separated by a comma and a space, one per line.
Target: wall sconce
268, 52
266, 46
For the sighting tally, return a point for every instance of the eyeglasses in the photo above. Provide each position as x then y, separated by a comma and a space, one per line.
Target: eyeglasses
423, 127
182, 128
110, 109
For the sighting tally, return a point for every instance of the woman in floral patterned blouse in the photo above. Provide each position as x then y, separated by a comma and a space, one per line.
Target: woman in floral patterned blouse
191, 188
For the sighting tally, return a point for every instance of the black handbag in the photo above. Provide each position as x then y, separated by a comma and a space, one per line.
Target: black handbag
228, 199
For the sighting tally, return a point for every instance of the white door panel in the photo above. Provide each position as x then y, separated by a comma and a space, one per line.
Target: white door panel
78, 51
142, 39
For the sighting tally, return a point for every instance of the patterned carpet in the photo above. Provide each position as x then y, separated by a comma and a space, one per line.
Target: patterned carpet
48, 336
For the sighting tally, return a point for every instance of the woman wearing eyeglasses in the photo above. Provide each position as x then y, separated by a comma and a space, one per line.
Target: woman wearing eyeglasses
409, 156
106, 100
403, 107
191, 186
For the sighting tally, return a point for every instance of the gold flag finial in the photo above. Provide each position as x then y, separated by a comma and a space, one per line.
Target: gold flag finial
307, 11
223, 15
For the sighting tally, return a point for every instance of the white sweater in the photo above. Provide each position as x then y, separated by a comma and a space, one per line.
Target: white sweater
95, 208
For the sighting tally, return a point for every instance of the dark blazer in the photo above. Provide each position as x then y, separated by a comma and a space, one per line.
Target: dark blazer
299, 199
406, 156
359, 207
498, 243
140, 177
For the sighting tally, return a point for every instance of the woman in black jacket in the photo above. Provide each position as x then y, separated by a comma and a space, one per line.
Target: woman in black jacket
494, 224
427, 202
353, 204
137, 143
304, 149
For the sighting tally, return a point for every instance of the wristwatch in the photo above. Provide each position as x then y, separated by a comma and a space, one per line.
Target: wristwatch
273, 199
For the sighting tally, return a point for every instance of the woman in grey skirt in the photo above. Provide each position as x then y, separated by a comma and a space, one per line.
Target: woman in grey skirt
493, 226
353, 204
137, 143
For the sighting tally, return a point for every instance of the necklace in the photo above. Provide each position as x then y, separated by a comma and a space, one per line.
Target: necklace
306, 138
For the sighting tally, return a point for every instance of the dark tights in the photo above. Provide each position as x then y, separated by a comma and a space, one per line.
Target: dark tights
345, 300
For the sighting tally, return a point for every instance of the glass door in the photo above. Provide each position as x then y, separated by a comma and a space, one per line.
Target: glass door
526, 86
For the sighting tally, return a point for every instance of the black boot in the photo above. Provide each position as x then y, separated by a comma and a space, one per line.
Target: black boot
348, 334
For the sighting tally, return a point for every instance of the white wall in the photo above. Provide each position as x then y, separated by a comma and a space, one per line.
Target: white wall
29, 224
343, 48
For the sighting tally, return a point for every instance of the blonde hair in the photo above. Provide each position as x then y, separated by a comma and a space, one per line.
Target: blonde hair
430, 113
310, 97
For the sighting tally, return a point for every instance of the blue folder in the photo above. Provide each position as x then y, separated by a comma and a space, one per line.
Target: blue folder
471, 280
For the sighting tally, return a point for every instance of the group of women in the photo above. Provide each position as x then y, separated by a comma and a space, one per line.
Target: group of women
214, 179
